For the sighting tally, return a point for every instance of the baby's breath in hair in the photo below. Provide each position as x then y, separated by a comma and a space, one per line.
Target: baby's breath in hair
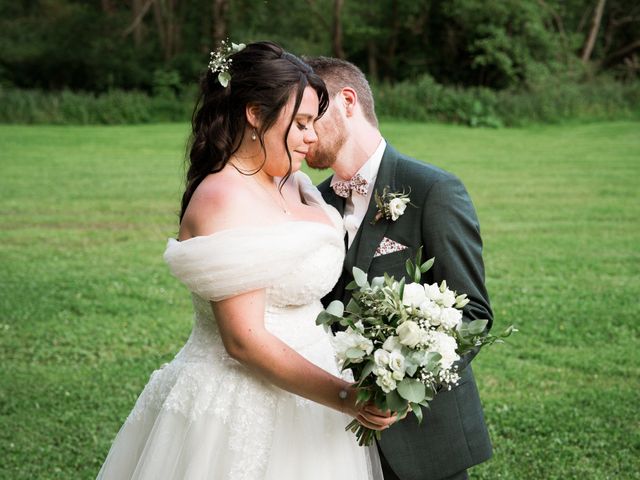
220, 61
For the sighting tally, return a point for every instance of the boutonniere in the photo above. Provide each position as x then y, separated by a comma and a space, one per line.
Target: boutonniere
391, 205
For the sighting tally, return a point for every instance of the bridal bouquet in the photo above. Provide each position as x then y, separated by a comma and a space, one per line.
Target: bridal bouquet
402, 340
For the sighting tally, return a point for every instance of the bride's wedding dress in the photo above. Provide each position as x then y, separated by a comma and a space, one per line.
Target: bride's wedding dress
204, 415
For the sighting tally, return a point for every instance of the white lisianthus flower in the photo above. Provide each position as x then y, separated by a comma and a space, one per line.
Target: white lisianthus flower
448, 299
392, 343
381, 357
410, 333
385, 380
397, 206
413, 295
397, 364
350, 338
432, 312
450, 318
445, 345
433, 292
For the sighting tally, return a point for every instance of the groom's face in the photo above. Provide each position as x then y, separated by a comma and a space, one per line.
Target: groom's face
332, 135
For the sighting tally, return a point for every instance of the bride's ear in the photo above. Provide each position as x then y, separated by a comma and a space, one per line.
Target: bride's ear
252, 113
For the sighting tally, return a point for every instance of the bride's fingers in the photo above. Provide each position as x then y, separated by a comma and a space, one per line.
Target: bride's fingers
371, 408
367, 423
379, 422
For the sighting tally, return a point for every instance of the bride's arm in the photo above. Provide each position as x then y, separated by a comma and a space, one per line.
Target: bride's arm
241, 323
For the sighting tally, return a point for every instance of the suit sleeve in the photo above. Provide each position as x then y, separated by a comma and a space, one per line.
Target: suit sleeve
451, 234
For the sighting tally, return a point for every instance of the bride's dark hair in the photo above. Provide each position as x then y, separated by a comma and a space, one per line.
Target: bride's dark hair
262, 74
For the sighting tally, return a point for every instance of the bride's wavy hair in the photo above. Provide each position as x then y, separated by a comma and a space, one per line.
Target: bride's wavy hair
262, 74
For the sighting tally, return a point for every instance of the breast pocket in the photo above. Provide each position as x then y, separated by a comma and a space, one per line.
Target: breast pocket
393, 264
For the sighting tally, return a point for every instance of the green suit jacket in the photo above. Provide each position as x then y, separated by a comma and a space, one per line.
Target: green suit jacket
453, 435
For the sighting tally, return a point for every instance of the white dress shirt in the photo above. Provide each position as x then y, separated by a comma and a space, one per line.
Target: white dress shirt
356, 205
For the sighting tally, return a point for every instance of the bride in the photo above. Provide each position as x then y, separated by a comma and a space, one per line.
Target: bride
247, 395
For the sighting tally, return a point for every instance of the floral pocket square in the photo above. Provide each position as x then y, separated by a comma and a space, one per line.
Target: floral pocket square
388, 246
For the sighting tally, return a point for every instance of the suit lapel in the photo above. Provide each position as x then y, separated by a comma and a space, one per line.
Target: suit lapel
369, 236
330, 196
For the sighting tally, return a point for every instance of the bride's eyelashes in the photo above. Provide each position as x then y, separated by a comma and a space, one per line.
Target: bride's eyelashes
302, 126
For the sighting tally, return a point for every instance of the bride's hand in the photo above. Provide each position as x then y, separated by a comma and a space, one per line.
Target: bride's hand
372, 417
368, 414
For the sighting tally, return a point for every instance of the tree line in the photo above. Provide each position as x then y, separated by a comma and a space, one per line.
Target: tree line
101, 45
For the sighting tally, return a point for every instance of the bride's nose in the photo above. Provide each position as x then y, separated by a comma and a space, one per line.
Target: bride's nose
310, 135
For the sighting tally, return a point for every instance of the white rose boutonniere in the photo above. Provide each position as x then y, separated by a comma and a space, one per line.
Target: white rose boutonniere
391, 205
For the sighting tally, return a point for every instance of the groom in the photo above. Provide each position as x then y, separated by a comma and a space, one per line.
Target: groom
440, 219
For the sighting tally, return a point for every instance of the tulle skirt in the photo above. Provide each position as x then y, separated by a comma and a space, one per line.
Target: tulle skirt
205, 416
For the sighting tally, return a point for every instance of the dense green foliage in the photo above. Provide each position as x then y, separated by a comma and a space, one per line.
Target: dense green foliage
99, 45
421, 100
89, 310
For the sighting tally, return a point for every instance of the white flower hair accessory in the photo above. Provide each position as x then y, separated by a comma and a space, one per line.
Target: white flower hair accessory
220, 61
391, 205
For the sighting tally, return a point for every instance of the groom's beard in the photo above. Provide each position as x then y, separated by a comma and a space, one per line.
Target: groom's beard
330, 141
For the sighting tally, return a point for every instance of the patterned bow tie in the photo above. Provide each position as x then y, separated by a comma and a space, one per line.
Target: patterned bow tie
358, 184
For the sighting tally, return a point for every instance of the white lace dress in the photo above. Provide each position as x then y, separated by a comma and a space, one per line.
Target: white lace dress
204, 415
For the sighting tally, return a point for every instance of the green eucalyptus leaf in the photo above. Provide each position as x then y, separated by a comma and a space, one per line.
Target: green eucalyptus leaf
411, 390
368, 368
363, 395
335, 308
325, 318
360, 277
395, 402
417, 411
353, 307
476, 327
352, 285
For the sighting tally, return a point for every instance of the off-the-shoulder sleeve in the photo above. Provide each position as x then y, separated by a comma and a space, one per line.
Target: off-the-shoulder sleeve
237, 261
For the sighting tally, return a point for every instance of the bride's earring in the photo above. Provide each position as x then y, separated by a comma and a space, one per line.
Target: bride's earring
253, 135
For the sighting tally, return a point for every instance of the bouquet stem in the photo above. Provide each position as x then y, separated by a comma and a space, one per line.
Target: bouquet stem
364, 435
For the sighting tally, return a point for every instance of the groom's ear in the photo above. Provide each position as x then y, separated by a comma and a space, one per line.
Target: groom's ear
252, 112
350, 100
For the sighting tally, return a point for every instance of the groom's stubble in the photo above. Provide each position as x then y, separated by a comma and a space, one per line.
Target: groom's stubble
332, 135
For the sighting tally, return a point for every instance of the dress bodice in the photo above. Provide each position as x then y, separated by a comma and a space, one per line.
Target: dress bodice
295, 262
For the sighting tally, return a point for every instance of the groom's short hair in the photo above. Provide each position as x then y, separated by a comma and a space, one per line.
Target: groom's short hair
338, 74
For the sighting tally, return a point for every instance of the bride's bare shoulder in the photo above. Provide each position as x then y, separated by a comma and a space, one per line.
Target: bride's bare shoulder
221, 201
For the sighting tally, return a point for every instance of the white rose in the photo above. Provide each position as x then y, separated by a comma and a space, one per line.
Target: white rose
410, 333
397, 364
392, 343
381, 357
431, 311
448, 299
450, 318
385, 381
413, 295
433, 292
397, 207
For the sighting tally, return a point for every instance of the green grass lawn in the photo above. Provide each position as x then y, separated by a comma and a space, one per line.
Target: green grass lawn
88, 309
